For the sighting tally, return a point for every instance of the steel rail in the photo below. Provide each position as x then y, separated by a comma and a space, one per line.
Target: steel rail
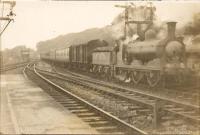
137, 91
115, 86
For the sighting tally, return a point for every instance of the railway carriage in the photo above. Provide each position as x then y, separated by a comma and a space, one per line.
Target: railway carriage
62, 56
44, 56
52, 55
48, 56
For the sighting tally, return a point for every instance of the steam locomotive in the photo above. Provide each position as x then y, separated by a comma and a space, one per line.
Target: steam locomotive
147, 59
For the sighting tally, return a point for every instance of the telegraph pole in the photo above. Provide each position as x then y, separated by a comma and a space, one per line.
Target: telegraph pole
126, 16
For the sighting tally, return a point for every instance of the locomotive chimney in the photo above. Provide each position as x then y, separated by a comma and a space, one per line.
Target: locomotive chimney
171, 29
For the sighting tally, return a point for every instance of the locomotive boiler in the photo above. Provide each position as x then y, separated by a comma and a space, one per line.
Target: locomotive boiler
152, 48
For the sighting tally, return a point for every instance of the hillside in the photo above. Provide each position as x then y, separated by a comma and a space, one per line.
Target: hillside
75, 38
108, 33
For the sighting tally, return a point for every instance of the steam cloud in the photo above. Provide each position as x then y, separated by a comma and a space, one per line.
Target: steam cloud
193, 28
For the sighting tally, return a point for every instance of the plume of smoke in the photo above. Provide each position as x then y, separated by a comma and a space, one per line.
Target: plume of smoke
192, 34
118, 24
193, 28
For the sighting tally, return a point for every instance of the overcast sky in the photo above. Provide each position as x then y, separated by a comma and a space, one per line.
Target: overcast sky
41, 20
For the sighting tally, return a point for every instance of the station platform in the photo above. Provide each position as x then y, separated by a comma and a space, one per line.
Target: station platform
27, 109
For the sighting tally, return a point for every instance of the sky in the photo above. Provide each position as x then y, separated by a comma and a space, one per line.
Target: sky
37, 21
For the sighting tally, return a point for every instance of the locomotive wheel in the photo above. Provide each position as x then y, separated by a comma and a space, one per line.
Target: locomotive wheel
93, 69
100, 72
108, 74
100, 69
123, 75
103, 72
153, 78
136, 76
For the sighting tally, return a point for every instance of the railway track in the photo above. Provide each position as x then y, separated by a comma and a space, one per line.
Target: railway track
102, 120
188, 94
182, 94
163, 110
13, 66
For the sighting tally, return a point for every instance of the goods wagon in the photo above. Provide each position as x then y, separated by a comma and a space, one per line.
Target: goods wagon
81, 55
52, 55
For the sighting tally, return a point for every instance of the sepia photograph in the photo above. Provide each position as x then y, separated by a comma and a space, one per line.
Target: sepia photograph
100, 67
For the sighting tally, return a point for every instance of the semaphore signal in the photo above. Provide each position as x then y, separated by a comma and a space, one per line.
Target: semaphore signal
8, 17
